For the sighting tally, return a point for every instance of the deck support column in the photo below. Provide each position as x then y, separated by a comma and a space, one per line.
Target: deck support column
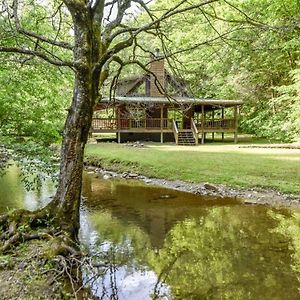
119, 124
236, 119
213, 119
161, 124
222, 117
202, 124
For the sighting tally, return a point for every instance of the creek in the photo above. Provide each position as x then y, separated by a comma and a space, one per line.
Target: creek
154, 243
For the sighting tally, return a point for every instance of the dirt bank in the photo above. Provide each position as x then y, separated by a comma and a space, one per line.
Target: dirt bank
248, 196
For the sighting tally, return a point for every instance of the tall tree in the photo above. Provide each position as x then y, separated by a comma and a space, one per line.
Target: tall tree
86, 37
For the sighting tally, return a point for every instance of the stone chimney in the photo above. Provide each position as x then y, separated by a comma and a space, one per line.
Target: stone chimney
157, 67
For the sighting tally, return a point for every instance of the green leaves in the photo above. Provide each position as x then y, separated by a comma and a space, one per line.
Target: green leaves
33, 101
246, 50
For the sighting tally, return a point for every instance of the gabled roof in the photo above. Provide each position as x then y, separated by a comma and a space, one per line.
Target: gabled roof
127, 90
172, 100
128, 86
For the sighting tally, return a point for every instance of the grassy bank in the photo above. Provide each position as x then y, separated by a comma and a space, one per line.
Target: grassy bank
214, 163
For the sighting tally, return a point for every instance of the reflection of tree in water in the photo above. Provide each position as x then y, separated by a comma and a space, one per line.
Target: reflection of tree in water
208, 252
120, 270
112, 272
155, 210
101, 276
234, 257
288, 225
231, 253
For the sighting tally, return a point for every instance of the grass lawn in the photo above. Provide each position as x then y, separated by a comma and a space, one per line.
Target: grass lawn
214, 163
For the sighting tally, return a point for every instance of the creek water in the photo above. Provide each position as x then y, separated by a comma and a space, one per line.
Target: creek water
155, 243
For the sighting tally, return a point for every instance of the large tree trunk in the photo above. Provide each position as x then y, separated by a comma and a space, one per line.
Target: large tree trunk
65, 205
67, 198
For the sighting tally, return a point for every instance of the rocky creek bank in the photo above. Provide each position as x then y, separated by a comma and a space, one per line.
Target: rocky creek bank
247, 196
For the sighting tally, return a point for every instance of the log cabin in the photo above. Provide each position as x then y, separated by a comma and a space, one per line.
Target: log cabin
157, 107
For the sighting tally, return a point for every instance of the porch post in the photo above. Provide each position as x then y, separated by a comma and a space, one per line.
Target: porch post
213, 120
161, 124
236, 119
202, 124
118, 125
222, 117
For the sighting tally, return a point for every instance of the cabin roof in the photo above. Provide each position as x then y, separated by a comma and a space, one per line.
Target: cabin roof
172, 100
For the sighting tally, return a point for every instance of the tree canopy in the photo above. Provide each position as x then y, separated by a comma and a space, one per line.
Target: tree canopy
245, 50
225, 49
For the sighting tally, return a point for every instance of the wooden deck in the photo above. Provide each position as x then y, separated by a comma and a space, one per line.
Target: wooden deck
131, 125
156, 125
195, 130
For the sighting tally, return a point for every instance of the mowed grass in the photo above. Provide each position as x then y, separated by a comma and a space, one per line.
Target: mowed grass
213, 163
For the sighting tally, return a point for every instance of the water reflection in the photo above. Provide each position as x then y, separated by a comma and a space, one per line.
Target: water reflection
13, 194
198, 248
152, 243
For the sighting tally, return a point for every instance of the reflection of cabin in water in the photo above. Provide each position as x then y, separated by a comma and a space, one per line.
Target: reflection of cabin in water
156, 107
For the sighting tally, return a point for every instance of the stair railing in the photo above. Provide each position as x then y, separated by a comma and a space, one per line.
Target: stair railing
175, 131
194, 130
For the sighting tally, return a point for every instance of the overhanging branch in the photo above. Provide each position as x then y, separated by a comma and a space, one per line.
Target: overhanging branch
32, 34
38, 54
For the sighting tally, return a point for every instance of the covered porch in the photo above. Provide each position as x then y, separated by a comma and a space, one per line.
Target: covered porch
180, 119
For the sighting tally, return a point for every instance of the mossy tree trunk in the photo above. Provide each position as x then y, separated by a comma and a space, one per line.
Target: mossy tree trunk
87, 52
67, 199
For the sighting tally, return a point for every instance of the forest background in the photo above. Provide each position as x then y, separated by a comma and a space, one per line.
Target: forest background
250, 53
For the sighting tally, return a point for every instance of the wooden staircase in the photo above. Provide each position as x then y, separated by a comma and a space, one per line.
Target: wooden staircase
186, 137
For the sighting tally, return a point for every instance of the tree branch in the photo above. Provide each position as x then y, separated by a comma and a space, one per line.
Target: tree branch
122, 7
98, 9
38, 54
172, 12
249, 20
32, 34
155, 22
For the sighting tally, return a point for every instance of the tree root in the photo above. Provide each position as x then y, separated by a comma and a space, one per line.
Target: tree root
59, 250
21, 226
19, 238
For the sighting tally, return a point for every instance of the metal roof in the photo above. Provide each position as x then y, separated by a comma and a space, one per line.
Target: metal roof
172, 100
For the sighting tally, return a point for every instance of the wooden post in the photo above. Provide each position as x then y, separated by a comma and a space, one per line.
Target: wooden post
202, 124
119, 125
222, 117
213, 120
161, 124
236, 119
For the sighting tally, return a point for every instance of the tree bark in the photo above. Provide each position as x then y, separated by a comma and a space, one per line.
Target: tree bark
65, 205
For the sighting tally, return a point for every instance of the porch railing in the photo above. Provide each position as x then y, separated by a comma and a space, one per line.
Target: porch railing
156, 124
114, 124
104, 123
217, 124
